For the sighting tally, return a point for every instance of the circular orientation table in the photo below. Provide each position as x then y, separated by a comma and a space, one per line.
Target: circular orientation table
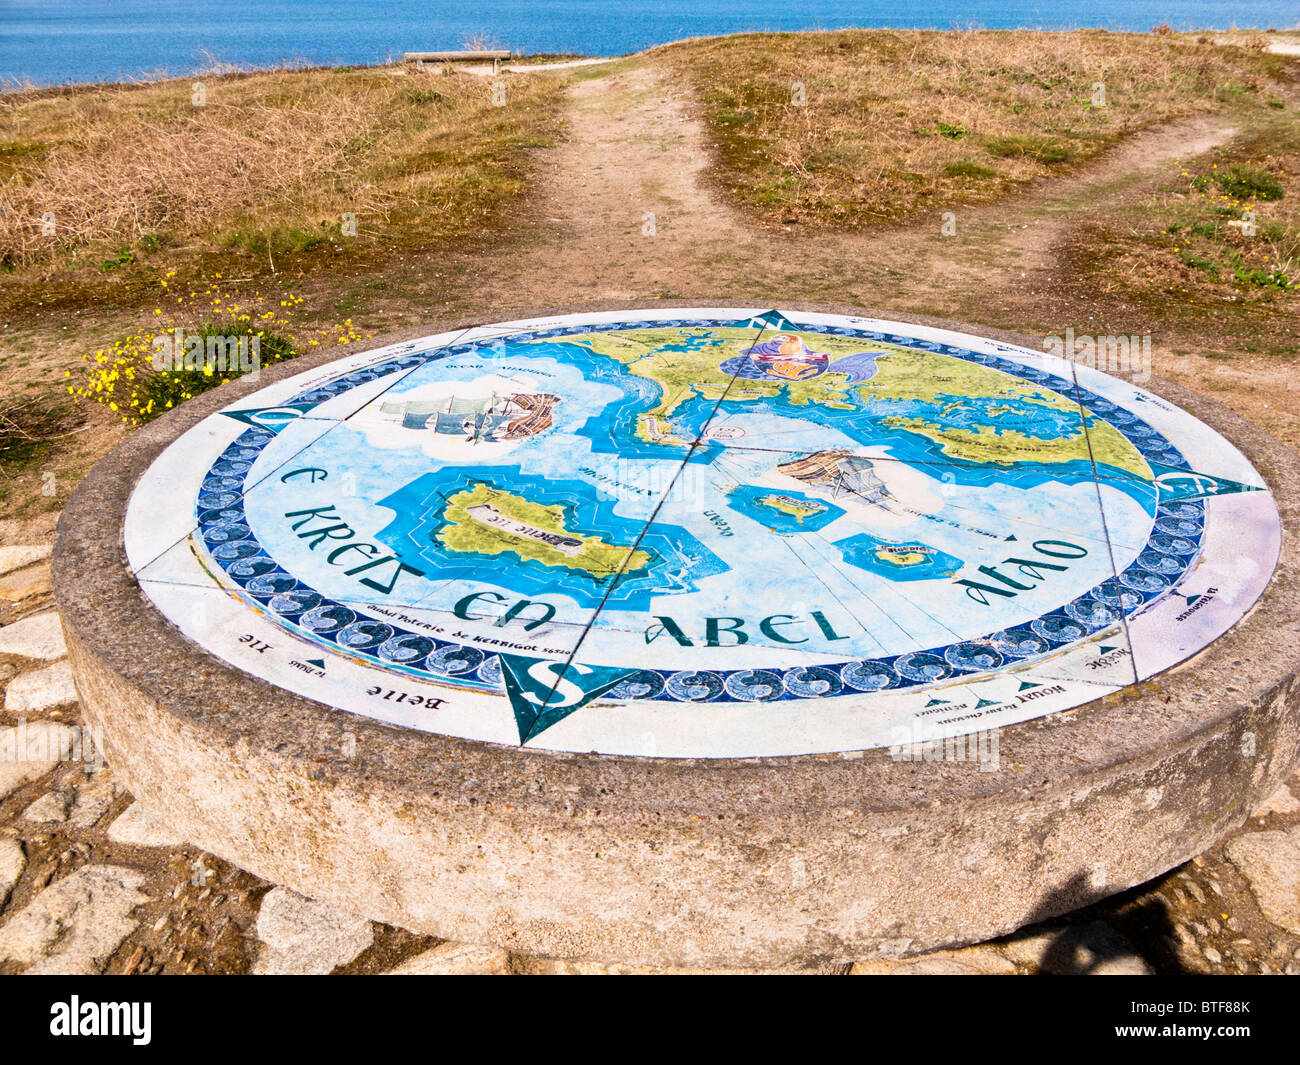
693, 636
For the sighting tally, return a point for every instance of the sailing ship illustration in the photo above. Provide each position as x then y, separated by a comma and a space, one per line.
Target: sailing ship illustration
841, 471
493, 418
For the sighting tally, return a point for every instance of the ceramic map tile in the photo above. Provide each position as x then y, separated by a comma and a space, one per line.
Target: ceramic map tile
155, 524
294, 412
1195, 535
721, 532
258, 641
916, 554
413, 541
310, 395
801, 390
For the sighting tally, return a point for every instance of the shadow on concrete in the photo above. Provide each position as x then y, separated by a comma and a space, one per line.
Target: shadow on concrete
1105, 935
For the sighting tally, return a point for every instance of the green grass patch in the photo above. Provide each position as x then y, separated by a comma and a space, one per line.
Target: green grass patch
968, 168
280, 240
1043, 149
1245, 182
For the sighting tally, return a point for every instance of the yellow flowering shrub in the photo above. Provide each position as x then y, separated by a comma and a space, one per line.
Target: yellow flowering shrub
152, 370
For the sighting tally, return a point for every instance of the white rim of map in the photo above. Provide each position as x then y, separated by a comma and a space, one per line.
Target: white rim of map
702, 533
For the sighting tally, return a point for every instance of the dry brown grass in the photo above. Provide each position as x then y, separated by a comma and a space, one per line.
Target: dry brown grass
32, 423
1185, 255
895, 122
264, 171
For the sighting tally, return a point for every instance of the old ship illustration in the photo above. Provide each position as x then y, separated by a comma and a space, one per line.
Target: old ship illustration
491, 418
840, 471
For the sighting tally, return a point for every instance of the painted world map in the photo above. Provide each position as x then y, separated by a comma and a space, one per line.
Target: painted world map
723, 526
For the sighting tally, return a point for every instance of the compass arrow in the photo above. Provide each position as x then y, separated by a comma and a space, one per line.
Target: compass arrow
543, 692
272, 419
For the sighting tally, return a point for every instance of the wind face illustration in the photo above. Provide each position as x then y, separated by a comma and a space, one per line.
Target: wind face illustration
787, 358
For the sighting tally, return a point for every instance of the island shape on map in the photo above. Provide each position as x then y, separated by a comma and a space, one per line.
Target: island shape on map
795, 508
489, 521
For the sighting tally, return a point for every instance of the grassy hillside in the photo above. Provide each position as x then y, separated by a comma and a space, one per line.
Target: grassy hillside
140, 179
890, 123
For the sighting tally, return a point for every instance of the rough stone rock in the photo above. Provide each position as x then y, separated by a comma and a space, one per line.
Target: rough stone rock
1270, 861
50, 807
970, 961
39, 690
79, 805
568, 967
25, 584
12, 864
534, 966
75, 924
456, 959
15, 558
31, 750
301, 936
142, 826
1282, 801
39, 637
1094, 949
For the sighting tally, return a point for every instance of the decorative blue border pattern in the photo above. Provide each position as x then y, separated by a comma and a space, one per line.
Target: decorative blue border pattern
1170, 551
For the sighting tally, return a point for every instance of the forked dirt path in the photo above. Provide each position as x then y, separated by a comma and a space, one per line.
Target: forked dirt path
1023, 234
628, 210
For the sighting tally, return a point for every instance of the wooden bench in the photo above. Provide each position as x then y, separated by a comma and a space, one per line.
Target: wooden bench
495, 56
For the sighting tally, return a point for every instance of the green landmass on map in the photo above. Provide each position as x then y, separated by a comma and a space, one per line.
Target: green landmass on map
1006, 447
793, 507
901, 374
683, 375
897, 557
904, 374
463, 531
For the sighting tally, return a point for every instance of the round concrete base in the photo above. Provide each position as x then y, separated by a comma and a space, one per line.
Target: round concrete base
759, 863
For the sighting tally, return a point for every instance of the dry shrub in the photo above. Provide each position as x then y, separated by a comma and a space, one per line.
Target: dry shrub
31, 422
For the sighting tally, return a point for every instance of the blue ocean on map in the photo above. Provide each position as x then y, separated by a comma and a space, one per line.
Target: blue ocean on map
827, 428
676, 559
694, 558
49, 42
